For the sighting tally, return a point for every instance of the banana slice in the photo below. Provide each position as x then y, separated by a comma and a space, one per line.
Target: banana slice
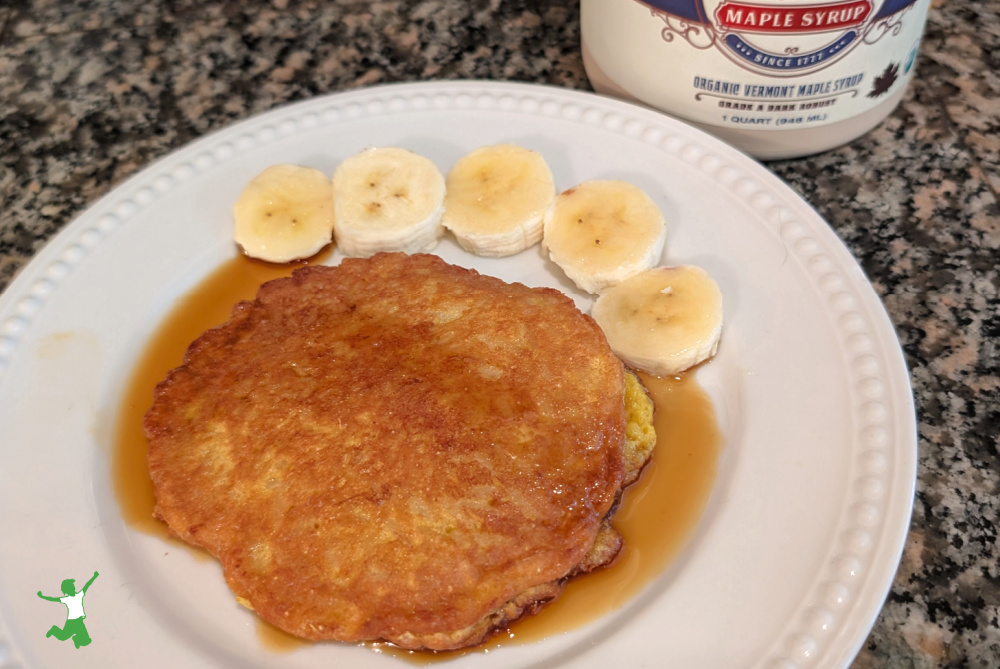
496, 199
604, 231
387, 199
663, 320
284, 213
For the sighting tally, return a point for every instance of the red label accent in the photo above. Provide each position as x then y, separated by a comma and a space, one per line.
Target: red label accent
748, 17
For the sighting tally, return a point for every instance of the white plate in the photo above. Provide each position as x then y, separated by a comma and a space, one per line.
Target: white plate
801, 537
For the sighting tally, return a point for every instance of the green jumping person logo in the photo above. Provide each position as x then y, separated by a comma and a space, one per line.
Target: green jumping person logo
74, 627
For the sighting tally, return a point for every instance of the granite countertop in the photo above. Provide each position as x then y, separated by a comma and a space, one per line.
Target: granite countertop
93, 90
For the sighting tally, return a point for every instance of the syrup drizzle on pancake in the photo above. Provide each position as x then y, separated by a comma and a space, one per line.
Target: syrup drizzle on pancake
657, 516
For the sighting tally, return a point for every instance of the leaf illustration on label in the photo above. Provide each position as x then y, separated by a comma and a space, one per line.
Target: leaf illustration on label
884, 81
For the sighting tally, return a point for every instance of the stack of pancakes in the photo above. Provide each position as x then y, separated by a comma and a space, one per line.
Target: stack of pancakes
398, 449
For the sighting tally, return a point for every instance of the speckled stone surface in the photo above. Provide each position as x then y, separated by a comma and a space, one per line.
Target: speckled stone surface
92, 90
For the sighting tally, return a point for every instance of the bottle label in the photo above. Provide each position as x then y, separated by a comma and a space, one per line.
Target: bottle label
760, 64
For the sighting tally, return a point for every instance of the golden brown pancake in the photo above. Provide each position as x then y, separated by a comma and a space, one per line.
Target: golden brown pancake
395, 449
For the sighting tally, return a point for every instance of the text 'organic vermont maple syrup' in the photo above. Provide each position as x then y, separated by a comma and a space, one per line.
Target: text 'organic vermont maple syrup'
657, 515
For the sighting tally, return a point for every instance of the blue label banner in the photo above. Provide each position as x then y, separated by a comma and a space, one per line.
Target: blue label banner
891, 7
691, 10
787, 62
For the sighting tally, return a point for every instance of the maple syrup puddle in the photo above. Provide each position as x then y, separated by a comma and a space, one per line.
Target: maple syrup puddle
656, 517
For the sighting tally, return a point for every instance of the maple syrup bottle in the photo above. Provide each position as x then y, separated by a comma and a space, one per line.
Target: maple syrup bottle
774, 78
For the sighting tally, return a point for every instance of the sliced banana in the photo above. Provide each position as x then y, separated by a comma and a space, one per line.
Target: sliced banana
664, 320
285, 213
604, 231
496, 199
387, 199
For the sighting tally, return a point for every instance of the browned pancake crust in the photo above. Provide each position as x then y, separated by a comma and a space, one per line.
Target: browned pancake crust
394, 448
